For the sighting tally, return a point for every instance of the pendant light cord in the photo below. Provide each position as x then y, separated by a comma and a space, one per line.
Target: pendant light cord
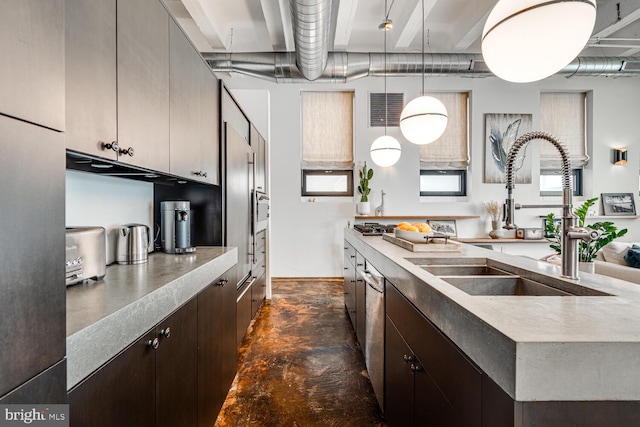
386, 108
422, 47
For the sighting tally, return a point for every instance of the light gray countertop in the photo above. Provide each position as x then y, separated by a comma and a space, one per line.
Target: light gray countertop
544, 348
106, 316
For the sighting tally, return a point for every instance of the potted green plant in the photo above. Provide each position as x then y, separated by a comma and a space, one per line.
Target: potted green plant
363, 188
587, 250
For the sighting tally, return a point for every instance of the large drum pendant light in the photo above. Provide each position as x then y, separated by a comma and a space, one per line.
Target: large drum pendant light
385, 151
424, 119
529, 40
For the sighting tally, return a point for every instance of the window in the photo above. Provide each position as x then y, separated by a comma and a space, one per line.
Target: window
551, 182
327, 143
563, 115
443, 182
443, 163
327, 182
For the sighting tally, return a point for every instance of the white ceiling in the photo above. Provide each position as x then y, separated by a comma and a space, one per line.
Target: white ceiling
452, 26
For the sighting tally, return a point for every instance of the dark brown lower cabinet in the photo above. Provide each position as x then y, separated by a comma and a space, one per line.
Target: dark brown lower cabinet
438, 384
258, 294
350, 290
123, 392
177, 368
177, 374
244, 316
216, 346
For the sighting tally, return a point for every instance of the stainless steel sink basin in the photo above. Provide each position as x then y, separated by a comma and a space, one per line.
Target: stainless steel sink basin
502, 285
463, 270
448, 261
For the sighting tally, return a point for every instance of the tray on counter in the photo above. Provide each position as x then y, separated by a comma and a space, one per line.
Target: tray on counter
434, 245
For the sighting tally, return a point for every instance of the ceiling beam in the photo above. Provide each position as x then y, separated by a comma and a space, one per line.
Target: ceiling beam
287, 26
273, 21
472, 35
613, 16
204, 16
344, 23
414, 24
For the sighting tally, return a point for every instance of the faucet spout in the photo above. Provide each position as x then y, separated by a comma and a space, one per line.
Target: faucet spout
570, 235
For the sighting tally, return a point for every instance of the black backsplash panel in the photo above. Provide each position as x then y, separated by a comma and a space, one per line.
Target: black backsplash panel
206, 210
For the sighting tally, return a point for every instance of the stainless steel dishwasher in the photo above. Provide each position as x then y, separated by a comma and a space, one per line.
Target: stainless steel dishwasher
374, 329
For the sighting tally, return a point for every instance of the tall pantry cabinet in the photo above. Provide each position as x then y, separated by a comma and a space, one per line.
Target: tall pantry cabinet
32, 118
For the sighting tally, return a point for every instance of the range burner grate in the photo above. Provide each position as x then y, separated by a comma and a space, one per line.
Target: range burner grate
374, 229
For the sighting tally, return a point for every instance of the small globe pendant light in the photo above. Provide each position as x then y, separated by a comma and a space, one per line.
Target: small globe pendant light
424, 119
529, 40
385, 151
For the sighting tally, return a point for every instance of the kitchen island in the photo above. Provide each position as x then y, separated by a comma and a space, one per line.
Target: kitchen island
564, 350
106, 316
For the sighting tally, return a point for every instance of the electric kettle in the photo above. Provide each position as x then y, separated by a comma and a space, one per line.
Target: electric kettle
134, 241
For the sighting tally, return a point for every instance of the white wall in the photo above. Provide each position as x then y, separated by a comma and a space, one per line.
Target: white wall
306, 238
96, 200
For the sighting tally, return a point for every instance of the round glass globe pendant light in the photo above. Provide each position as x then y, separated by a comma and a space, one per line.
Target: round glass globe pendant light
529, 40
385, 151
424, 119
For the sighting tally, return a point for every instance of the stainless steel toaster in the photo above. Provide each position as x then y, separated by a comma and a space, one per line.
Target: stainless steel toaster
85, 254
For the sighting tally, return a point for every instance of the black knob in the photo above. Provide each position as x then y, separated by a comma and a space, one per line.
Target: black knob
415, 368
359, 264
222, 282
128, 152
155, 343
166, 332
113, 145
408, 359
353, 256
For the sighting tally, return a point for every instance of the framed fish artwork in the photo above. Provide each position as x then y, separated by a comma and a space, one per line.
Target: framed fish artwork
501, 131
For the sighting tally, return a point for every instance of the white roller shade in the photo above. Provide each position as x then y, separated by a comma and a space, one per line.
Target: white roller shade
562, 114
451, 150
327, 130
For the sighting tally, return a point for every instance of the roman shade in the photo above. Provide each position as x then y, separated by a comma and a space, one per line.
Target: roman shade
327, 130
451, 150
562, 114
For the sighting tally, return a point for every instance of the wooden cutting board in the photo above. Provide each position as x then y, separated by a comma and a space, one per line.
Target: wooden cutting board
436, 245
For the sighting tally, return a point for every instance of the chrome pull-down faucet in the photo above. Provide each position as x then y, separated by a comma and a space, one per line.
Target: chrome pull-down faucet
570, 233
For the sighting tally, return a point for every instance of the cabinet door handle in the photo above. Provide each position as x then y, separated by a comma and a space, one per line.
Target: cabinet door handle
353, 256
200, 173
113, 145
129, 151
166, 332
415, 368
359, 264
222, 282
408, 359
154, 343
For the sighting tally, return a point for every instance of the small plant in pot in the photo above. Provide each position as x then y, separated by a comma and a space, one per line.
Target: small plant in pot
587, 250
363, 188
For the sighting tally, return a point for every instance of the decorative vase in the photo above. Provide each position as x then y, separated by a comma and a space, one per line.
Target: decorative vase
364, 208
494, 233
587, 267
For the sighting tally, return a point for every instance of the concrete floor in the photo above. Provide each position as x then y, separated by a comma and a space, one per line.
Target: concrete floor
300, 364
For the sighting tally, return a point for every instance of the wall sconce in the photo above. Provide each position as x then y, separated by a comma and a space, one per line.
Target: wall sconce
619, 156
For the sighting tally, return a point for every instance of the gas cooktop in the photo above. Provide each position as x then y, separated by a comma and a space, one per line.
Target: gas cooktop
374, 229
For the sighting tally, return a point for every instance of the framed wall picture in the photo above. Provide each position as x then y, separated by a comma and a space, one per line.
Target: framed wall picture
618, 204
501, 131
447, 227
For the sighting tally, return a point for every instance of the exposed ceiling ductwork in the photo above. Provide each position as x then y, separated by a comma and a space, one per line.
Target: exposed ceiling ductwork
342, 67
311, 21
